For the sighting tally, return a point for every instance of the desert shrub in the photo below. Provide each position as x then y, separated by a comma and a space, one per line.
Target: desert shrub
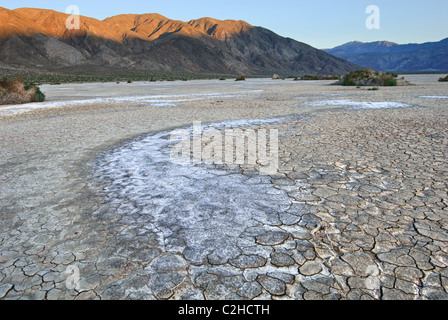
390, 82
443, 79
40, 96
13, 84
308, 77
348, 82
277, 77
319, 77
241, 78
15, 91
369, 77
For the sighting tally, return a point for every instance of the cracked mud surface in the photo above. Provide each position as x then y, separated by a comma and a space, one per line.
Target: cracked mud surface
357, 210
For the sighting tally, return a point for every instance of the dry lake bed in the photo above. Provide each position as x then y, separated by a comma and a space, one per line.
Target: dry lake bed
94, 207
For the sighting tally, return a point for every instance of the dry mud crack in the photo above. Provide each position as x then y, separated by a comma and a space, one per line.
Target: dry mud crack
357, 210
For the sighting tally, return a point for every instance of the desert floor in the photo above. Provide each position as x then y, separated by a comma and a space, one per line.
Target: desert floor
93, 208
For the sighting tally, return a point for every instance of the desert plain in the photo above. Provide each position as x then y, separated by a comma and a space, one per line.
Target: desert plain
92, 208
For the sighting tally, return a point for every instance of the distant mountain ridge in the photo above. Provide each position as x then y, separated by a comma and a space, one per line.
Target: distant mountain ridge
30, 37
390, 56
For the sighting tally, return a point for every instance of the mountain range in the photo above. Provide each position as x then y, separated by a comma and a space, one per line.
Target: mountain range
38, 37
390, 56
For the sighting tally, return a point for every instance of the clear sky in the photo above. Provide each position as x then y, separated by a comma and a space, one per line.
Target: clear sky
320, 23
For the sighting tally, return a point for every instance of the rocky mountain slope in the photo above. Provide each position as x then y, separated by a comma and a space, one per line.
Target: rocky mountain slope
30, 37
389, 56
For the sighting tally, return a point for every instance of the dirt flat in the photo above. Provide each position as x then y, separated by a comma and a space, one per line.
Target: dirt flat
92, 208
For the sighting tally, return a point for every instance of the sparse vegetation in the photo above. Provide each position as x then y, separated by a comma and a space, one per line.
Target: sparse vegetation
16, 91
277, 77
443, 79
91, 74
308, 77
241, 78
369, 77
388, 82
349, 82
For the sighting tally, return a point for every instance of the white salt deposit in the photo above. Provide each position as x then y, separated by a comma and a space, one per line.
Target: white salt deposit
198, 209
360, 104
434, 97
152, 100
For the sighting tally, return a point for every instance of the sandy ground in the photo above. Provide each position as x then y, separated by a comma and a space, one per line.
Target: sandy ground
377, 177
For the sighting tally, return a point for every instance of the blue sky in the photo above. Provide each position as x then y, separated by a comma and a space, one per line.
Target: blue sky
320, 23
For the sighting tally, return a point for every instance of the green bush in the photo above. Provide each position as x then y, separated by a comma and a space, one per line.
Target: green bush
40, 96
392, 74
348, 82
16, 91
390, 82
369, 77
319, 77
